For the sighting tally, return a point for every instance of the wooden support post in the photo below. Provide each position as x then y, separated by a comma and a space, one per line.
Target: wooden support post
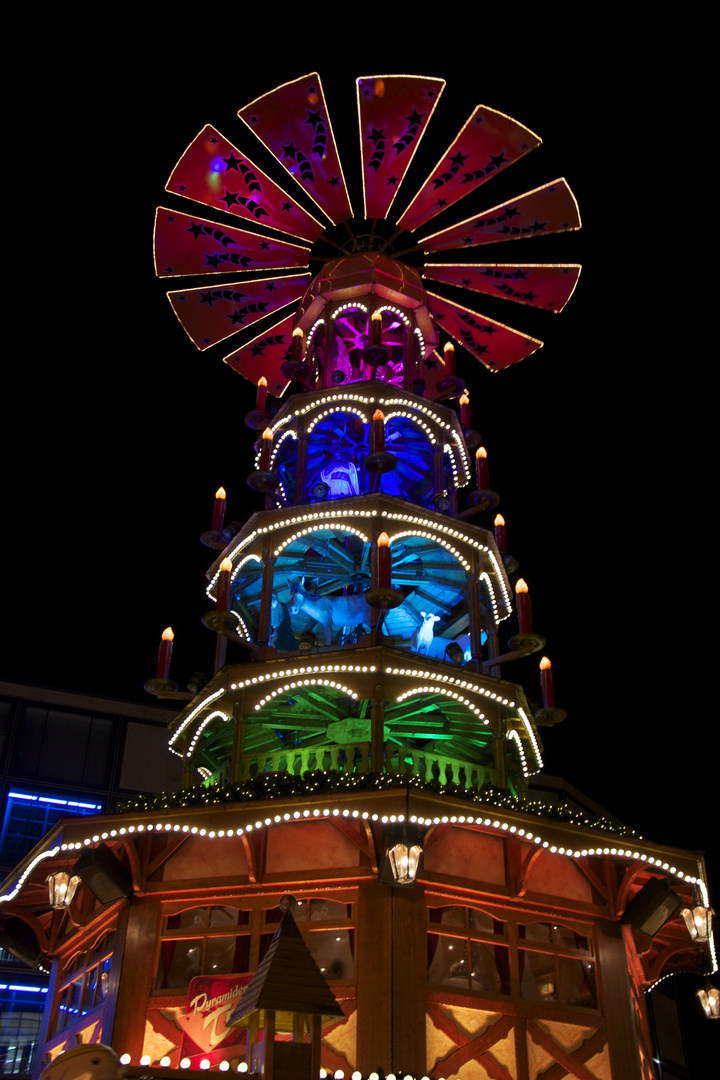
473, 599
316, 1042
409, 977
373, 970
301, 474
137, 976
622, 1033
238, 746
266, 597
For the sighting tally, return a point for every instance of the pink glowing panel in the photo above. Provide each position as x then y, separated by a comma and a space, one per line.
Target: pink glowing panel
214, 172
293, 122
548, 209
265, 355
212, 314
541, 285
190, 245
487, 144
493, 344
393, 113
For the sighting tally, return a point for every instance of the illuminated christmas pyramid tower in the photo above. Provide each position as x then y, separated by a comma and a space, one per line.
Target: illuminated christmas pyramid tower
359, 745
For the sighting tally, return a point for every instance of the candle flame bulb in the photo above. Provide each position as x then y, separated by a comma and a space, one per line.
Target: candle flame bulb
384, 560
266, 449
226, 564
500, 535
448, 347
546, 683
297, 332
482, 470
218, 510
465, 415
524, 610
261, 395
164, 653
296, 350
377, 315
376, 328
378, 432
223, 589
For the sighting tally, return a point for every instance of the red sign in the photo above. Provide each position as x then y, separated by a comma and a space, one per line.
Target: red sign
211, 1000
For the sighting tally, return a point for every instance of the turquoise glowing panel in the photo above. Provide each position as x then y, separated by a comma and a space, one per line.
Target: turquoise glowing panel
209, 315
294, 124
214, 172
492, 343
542, 286
487, 144
548, 209
393, 113
188, 245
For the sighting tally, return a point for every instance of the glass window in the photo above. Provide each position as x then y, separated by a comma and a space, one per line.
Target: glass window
29, 814
21, 1010
83, 984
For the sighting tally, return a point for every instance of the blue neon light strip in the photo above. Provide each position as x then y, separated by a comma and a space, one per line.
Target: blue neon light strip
56, 802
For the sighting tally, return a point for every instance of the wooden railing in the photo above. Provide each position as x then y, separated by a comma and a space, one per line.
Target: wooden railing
355, 758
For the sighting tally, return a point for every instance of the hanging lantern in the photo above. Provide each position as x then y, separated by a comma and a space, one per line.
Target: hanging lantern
709, 997
698, 921
61, 889
404, 861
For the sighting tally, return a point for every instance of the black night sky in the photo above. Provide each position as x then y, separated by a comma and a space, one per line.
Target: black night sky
120, 431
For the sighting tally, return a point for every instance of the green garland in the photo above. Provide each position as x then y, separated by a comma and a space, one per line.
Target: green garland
267, 786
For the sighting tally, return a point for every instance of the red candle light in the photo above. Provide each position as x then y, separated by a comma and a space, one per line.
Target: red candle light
524, 611
376, 328
218, 510
384, 560
546, 683
500, 537
266, 450
449, 357
164, 653
482, 470
261, 396
223, 589
296, 352
465, 414
378, 432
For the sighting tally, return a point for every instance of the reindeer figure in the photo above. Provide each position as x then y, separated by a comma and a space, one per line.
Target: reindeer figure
422, 638
331, 611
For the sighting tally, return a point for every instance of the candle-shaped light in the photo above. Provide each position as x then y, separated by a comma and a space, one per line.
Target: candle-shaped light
223, 588
296, 352
546, 683
376, 328
266, 449
218, 510
524, 611
378, 432
500, 536
261, 396
465, 413
164, 653
384, 560
482, 470
449, 356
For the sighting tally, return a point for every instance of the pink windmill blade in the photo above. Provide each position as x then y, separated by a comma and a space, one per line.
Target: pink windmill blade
190, 245
489, 142
210, 315
492, 343
293, 122
265, 355
548, 209
539, 284
214, 172
393, 113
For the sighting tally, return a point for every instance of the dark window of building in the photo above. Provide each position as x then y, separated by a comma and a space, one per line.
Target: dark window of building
21, 1010
62, 746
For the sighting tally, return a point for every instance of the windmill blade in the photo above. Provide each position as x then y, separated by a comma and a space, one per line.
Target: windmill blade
487, 144
189, 245
265, 355
214, 172
211, 315
493, 344
294, 124
548, 209
393, 113
542, 285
